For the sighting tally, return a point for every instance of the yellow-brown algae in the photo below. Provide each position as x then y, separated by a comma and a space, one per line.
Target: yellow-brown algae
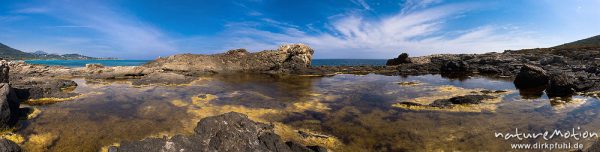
39, 142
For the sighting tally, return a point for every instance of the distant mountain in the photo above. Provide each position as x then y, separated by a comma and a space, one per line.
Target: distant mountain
9, 53
592, 42
40, 53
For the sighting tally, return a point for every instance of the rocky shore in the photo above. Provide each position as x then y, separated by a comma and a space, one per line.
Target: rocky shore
558, 72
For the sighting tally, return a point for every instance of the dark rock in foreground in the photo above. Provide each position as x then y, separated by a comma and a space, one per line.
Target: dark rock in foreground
9, 103
561, 84
9, 146
227, 132
531, 76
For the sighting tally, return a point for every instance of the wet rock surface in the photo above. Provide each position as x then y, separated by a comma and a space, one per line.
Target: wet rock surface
227, 132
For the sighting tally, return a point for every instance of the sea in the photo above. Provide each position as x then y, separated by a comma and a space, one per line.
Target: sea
315, 62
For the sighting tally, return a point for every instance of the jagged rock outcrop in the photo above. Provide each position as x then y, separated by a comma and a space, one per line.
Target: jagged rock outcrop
401, 59
9, 104
288, 58
531, 77
227, 132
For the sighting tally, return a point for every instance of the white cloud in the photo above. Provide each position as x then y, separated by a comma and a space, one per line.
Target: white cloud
416, 32
127, 35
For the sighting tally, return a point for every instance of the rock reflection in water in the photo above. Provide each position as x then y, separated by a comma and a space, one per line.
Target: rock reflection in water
342, 112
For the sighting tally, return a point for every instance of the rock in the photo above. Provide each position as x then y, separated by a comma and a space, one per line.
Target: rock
530, 77
553, 60
401, 59
286, 59
455, 67
93, 66
9, 107
4, 71
467, 99
9, 146
561, 85
227, 132
9, 104
44, 87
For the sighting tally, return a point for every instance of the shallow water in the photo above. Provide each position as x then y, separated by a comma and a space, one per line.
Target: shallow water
356, 112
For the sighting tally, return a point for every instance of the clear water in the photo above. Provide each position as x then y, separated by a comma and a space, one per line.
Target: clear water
357, 112
347, 62
81, 63
315, 62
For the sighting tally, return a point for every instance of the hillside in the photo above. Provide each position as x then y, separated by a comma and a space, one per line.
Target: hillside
592, 42
9, 53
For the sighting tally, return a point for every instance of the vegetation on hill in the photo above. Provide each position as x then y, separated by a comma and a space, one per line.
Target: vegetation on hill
9, 53
592, 42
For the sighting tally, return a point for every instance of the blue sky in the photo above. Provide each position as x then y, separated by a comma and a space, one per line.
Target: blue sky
146, 29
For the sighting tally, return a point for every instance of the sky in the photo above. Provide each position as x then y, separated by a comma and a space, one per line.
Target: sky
358, 29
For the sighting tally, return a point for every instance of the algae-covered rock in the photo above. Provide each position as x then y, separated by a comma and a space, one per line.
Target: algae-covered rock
227, 132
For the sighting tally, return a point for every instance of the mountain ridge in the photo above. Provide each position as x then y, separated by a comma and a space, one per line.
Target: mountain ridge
7, 52
591, 42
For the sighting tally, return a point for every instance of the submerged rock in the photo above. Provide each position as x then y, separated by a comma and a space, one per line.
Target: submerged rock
401, 59
288, 58
227, 132
531, 76
9, 146
467, 99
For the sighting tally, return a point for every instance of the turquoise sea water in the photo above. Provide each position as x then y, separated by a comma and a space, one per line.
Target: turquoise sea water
81, 63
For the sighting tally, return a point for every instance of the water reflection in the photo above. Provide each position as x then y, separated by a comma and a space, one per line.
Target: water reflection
354, 112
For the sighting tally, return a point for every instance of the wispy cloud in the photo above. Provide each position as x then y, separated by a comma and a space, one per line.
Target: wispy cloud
362, 4
32, 10
127, 35
419, 32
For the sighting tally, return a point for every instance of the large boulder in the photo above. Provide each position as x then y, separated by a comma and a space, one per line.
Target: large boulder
9, 146
401, 59
227, 132
288, 58
561, 85
531, 77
